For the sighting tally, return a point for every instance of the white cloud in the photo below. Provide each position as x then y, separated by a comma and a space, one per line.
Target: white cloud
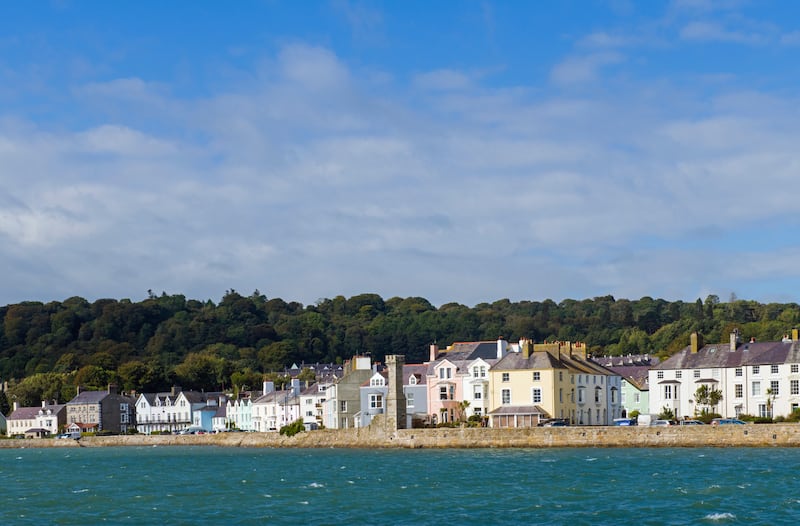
443, 79
710, 31
310, 180
583, 69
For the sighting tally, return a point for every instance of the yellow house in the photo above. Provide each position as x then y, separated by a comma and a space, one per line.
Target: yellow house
529, 386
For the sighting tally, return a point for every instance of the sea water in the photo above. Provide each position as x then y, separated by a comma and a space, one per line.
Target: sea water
211, 485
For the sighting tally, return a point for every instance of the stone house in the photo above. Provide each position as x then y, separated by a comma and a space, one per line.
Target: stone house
109, 410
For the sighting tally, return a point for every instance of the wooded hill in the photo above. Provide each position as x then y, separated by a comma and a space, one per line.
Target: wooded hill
46, 349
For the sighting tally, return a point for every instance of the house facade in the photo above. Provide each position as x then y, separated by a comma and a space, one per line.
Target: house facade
343, 400
552, 380
276, 409
36, 422
109, 410
635, 385
761, 379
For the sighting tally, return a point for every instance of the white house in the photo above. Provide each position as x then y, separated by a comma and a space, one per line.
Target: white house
754, 378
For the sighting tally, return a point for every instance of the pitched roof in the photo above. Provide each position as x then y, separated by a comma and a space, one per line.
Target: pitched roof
721, 356
470, 351
29, 413
519, 410
514, 361
88, 397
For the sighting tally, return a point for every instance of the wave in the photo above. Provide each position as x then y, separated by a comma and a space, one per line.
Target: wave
719, 516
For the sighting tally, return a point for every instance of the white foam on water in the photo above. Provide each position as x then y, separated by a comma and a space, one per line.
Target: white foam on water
719, 516
316, 485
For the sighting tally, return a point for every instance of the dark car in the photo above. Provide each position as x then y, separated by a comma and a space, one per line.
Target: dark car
727, 421
555, 422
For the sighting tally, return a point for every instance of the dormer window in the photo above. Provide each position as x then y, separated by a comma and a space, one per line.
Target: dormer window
412, 380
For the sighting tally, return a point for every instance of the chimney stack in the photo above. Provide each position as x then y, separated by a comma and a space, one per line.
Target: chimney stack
502, 346
794, 335
112, 389
525, 347
434, 352
696, 341
734, 339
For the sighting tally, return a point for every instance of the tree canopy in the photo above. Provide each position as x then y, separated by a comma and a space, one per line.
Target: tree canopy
46, 349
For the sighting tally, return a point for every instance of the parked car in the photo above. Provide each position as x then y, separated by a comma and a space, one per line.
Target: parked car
691, 423
554, 422
727, 421
624, 421
662, 423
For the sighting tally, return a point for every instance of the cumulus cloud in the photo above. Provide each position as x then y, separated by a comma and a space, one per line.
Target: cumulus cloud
584, 68
311, 180
711, 31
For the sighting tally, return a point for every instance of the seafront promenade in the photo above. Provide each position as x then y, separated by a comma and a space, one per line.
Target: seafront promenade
751, 435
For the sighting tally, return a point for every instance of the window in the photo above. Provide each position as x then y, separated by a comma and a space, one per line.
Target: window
123, 418
580, 394
660, 375
738, 390
756, 369
774, 384
795, 368
636, 398
536, 395
343, 406
478, 393
561, 395
377, 382
375, 401
123, 408
678, 374
667, 392
794, 387
506, 396
738, 371
537, 376
409, 399
613, 395
477, 411
697, 373
480, 372
762, 410
309, 413
441, 374
560, 376
756, 389
505, 377
443, 393
773, 369
309, 401
412, 380
596, 394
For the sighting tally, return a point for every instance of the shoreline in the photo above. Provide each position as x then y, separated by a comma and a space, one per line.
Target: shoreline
751, 435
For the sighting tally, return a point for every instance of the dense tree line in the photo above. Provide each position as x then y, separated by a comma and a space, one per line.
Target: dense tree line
46, 349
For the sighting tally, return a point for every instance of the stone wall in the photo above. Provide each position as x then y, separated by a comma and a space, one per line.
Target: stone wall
762, 435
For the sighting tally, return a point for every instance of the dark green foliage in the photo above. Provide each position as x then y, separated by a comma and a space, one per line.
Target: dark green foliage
166, 339
292, 429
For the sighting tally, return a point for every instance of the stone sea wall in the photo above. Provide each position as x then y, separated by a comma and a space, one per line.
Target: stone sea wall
761, 435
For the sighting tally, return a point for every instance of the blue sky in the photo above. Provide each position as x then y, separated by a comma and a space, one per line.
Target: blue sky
459, 151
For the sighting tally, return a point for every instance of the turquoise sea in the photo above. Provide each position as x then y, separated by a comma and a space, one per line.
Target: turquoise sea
209, 485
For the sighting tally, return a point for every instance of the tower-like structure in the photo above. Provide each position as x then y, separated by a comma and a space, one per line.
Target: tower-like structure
395, 399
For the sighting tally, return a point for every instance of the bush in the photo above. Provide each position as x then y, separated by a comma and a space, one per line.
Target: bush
292, 429
706, 418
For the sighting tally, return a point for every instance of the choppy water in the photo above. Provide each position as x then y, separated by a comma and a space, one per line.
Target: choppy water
206, 485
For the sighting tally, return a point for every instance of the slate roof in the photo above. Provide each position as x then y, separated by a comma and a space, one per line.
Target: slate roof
420, 371
29, 413
470, 351
536, 360
720, 355
519, 410
88, 397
